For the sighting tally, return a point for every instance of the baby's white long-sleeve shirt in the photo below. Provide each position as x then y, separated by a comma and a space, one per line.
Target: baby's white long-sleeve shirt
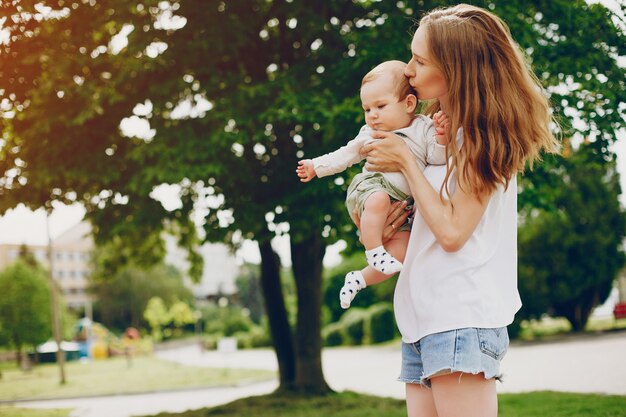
419, 136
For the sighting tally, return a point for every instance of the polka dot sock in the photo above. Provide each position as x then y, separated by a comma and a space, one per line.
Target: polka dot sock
379, 259
353, 283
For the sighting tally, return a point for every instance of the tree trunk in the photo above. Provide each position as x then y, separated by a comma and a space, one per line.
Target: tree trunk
306, 257
578, 312
277, 315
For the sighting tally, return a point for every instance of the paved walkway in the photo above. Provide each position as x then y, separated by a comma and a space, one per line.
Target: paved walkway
581, 364
149, 404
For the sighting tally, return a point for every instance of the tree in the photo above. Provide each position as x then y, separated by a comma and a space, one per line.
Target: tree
157, 316
569, 257
267, 83
181, 315
24, 306
123, 297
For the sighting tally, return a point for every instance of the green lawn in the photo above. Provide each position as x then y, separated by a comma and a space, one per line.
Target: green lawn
349, 404
113, 376
27, 412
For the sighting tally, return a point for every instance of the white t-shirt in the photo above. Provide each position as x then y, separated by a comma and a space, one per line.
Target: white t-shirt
476, 286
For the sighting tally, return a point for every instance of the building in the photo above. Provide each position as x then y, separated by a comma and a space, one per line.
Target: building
219, 272
71, 264
71, 267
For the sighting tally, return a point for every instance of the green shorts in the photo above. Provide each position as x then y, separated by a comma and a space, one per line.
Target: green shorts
365, 184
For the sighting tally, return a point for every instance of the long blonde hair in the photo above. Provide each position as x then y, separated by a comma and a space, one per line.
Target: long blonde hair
493, 94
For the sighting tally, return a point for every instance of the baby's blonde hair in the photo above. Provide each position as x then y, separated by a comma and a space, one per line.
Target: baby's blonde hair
394, 69
493, 94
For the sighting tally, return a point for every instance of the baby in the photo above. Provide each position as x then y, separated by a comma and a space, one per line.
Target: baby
389, 103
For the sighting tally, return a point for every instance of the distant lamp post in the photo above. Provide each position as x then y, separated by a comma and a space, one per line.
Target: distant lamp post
54, 305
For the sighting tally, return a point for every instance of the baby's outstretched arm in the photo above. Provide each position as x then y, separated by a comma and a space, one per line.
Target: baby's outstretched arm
305, 170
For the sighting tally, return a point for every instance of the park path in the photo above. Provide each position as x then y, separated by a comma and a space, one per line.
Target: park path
586, 364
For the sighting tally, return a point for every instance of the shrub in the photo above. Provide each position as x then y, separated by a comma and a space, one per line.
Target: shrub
227, 320
381, 325
354, 324
333, 334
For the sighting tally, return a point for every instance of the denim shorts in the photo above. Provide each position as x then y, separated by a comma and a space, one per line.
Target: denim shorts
470, 350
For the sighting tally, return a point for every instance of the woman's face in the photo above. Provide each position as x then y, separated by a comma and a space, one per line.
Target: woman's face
421, 71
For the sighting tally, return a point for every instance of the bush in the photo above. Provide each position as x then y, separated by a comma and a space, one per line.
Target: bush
227, 320
354, 325
255, 337
359, 326
381, 325
333, 334
209, 342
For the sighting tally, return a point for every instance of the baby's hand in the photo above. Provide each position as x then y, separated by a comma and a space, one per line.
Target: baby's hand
442, 126
305, 170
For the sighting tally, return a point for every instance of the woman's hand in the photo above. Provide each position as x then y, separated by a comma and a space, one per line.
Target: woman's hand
387, 155
396, 217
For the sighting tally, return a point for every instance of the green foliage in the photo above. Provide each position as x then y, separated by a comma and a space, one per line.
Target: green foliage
350, 404
113, 376
256, 336
354, 325
570, 256
181, 314
362, 326
24, 305
334, 279
233, 321
381, 325
157, 316
225, 321
332, 334
272, 95
282, 79
249, 291
123, 297
10, 411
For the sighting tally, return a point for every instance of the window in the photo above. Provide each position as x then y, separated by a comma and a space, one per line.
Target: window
40, 255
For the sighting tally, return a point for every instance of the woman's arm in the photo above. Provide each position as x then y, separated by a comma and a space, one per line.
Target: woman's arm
451, 221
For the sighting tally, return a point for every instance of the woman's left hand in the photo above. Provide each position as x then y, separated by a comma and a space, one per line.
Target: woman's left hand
396, 217
387, 154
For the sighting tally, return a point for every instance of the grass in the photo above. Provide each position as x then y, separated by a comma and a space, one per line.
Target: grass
599, 324
113, 376
349, 404
557, 404
31, 412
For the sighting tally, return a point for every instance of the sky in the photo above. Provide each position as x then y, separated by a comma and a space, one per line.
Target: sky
21, 225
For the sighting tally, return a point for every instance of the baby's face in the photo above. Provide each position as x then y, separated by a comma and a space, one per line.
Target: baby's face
383, 110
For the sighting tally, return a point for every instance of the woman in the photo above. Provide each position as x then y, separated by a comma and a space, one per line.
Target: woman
457, 291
